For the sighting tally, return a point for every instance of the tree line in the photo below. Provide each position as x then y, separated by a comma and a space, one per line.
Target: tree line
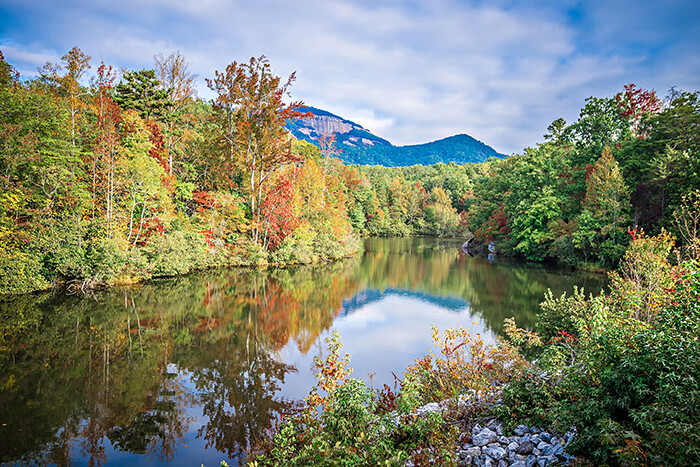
113, 177
628, 162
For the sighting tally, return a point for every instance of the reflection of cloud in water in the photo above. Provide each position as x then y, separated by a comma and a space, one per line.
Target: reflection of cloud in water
382, 336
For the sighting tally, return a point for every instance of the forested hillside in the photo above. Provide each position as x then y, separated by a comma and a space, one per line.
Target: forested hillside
109, 179
628, 162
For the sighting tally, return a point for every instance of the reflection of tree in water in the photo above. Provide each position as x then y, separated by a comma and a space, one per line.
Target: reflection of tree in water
237, 394
79, 372
235, 369
157, 432
437, 267
80, 368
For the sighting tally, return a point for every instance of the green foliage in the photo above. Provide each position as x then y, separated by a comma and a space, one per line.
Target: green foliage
176, 253
141, 91
21, 273
631, 386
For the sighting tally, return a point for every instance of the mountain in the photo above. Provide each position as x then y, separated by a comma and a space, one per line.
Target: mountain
358, 145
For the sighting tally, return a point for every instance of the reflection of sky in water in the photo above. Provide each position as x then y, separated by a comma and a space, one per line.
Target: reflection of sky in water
385, 334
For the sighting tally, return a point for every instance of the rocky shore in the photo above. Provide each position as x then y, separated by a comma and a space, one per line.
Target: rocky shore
529, 446
487, 445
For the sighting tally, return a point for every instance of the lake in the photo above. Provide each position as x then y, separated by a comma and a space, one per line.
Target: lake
191, 370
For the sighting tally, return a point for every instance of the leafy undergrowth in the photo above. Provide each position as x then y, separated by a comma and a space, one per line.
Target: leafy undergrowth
344, 422
623, 367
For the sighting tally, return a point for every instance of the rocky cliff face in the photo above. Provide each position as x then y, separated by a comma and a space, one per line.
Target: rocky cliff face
322, 123
359, 146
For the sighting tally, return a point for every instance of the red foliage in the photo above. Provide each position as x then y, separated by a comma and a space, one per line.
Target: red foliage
158, 150
635, 104
205, 201
278, 211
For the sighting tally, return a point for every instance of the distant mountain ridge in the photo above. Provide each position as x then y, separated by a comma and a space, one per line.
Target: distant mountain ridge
358, 145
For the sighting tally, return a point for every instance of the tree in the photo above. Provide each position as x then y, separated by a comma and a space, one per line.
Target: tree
251, 115
607, 196
600, 124
107, 117
557, 132
636, 106
174, 76
75, 63
141, 91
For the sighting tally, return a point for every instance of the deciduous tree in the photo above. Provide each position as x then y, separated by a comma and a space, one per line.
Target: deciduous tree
251, 114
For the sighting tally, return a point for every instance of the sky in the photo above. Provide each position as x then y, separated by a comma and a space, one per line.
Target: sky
409, 71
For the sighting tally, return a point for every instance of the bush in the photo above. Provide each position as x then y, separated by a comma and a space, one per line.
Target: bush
176, 253
633, 388
21, 273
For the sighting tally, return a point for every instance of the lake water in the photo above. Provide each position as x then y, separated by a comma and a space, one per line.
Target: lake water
191, 370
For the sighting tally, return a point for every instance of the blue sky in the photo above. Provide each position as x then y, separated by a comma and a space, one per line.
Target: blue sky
409, 71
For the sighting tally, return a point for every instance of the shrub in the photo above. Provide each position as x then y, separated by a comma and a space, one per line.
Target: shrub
464, 363
176, 253
632, 389
21, 273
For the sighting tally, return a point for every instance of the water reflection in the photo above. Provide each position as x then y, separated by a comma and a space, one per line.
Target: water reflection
195, 369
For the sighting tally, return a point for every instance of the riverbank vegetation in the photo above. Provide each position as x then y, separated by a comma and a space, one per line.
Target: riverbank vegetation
626, 162
619, 368
120, 180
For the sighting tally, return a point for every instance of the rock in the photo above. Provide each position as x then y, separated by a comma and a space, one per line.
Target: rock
536, 439
545, 460
525, 448
541, 445
503, 440
547, 450
512, 446
495, 451
530, 461
428, 408
544, 436
521, 430
484, 437
476, 429
518, 464
472, 451
467, 460
536, 452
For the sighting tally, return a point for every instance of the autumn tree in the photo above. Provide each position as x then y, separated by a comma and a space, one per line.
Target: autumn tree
107, 118
174, 76
636, 106
607, 196
75, 63
251, 115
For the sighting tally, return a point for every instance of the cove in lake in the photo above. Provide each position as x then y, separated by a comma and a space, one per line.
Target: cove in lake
193, 369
